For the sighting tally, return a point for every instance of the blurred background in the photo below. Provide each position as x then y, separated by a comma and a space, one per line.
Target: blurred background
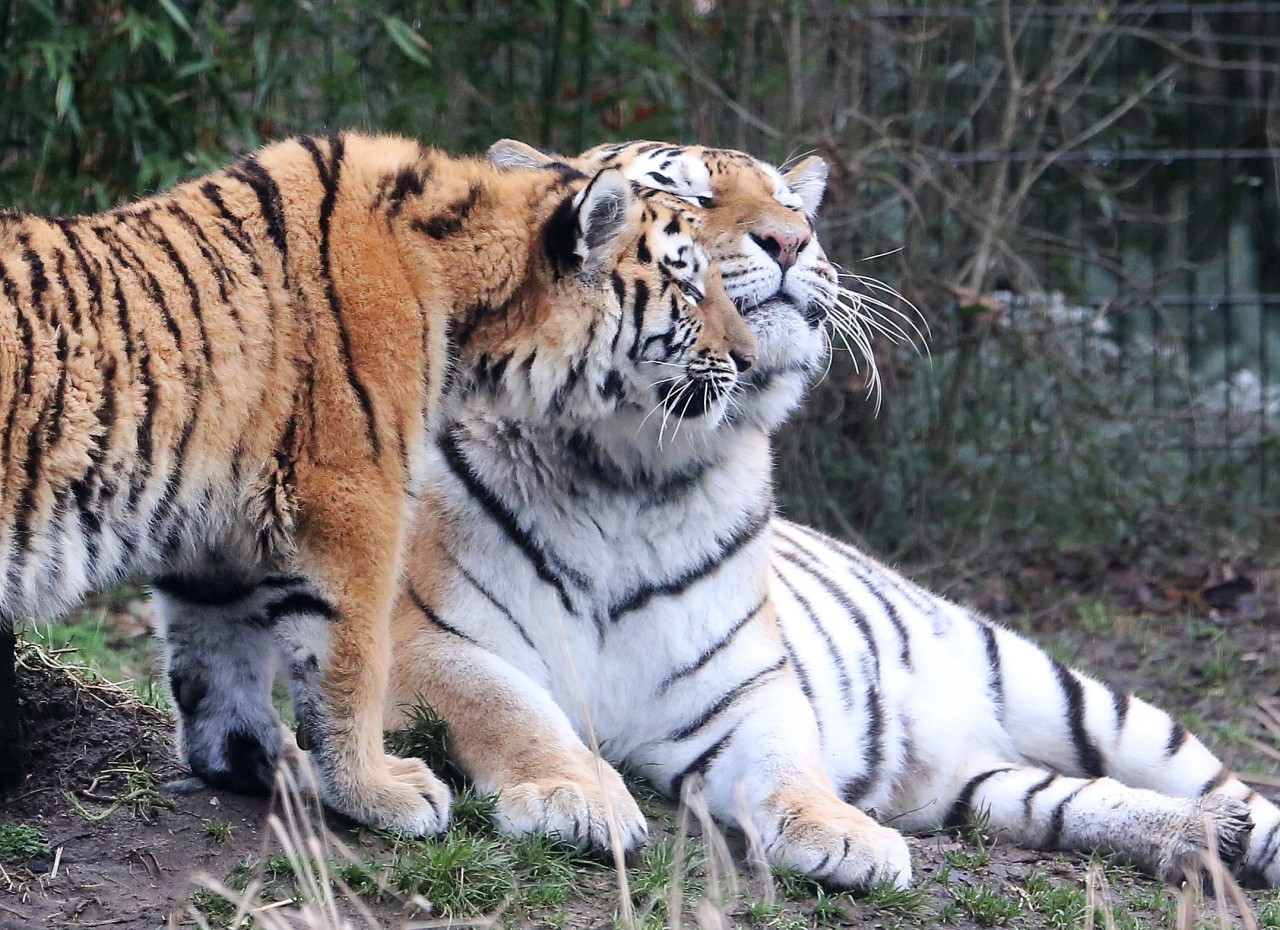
1082, 199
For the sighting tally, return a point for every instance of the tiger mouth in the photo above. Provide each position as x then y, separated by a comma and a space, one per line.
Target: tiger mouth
692, 398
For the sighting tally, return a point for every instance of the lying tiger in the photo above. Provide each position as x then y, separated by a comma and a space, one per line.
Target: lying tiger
228, 389
624, 578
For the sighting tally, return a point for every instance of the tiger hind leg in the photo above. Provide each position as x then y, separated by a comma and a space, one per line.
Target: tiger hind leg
1165, 836
219, 653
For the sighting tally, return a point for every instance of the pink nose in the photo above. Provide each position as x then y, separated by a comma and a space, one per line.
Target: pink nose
782, 246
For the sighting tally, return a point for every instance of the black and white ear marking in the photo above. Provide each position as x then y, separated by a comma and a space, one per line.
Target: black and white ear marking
511, 153
808, 179
602, 211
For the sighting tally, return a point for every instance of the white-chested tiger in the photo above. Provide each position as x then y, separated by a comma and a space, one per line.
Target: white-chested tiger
627, 579
228, 389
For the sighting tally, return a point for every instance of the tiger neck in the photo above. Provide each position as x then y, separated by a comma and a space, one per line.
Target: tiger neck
470, 228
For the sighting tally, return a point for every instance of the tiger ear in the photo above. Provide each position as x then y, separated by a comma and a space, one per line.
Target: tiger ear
511, 153
603, 211
808, 179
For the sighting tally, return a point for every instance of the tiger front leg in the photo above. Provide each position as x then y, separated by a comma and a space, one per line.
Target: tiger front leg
337, 655
762, 769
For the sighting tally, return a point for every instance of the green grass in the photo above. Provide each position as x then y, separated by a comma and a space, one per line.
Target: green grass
19, 844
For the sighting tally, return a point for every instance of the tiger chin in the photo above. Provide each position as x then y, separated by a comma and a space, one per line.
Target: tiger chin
582, 582
230, 390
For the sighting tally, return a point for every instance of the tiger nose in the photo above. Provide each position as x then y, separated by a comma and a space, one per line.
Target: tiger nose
743, 360
782, 246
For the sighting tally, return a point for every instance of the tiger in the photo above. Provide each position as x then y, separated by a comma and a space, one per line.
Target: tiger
228, 389
585, 592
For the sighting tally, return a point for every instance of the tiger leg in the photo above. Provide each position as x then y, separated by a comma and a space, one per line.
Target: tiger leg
1162, 835
513, 741
762, 769
1079, 726
219, 653
336, 648
11, 761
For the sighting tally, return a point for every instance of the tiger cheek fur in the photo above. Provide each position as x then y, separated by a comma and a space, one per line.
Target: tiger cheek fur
227, 389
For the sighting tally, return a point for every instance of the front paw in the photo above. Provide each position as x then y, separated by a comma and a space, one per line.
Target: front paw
396, 794
839, 846
587, 812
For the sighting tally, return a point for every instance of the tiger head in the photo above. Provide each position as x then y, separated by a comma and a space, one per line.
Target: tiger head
756, 223
625, 320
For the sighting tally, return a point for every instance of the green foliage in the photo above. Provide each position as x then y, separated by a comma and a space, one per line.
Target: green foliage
19, 844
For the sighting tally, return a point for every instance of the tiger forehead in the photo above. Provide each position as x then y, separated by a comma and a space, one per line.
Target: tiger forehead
708, 176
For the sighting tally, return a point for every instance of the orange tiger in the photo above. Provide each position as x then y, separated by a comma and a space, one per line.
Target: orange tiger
229, 388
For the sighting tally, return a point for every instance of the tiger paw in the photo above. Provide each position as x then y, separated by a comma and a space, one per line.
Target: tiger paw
400, 794
839, 846
588, 812
1214, 821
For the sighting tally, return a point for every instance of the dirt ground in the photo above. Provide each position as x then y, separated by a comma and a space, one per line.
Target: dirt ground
123, 853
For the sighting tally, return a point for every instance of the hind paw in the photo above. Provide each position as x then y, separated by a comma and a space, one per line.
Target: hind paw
1216, 822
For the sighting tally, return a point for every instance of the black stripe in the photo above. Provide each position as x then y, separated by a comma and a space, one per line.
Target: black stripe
1266, 849
995, 678
806, 685
63, 354
962, 807
711, 651
329, 179
38, 280
701, 763
864, 566
106, 409
890, 610
232, 226
300, 602
126, 256
833, 651
1120, 705
451, 220
500, 515
498, 606
642, 595
161, 238
1029, 799
854, 791
838, 595
36, 437
217, 268
251, 173
1086, 753
204, 590
724, 702
639, 301
23, 389
435, 618
1177, 736
1058, 819
1220, 778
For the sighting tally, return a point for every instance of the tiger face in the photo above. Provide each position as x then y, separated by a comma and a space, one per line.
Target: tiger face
634, 322
757, 226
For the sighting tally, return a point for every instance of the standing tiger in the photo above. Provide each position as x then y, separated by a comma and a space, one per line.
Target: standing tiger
624, 579
228, 389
